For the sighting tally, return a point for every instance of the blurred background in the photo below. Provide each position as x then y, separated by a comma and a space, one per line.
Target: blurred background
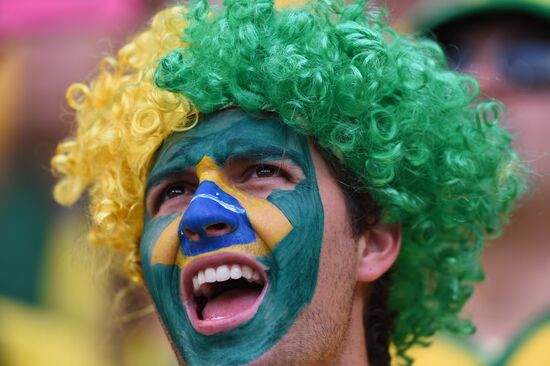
505, 45
60, 304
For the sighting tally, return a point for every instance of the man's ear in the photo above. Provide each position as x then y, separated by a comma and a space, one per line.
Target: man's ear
377, 250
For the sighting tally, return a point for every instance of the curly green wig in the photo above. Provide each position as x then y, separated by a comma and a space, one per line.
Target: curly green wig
384, 105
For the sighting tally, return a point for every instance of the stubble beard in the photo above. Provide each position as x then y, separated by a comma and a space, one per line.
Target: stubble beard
320, 334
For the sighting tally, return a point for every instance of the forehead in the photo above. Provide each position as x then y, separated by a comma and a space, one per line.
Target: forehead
228, 134
220, 123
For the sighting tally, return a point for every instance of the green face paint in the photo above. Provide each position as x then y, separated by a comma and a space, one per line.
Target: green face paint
287, 246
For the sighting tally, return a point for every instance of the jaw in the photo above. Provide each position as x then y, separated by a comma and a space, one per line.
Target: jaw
220, 292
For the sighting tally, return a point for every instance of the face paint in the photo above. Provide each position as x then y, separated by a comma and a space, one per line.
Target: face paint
225, 221
217, 202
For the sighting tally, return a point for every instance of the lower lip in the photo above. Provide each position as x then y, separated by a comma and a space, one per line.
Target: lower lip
214, 326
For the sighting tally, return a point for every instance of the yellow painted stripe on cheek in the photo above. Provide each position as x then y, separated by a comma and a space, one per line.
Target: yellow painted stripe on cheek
166, 248
267, 220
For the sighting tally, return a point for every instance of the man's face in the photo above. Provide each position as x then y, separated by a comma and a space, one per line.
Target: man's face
235, 250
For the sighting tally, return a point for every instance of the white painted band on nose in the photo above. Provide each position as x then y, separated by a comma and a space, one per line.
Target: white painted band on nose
225, 205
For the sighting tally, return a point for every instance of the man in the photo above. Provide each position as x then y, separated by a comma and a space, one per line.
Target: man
263, 172
506, 46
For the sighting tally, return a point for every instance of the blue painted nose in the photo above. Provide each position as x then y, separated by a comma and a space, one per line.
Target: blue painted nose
213, 220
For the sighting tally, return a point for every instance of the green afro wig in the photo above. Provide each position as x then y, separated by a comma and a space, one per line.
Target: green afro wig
388, 108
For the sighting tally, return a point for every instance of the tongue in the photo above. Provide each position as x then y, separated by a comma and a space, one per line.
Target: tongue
229, 303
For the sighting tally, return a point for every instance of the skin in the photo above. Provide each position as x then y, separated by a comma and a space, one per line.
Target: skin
318, 272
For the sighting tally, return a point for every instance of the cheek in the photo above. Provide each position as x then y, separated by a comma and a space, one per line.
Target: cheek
528, 122
338, 255
147, 244
160, 239
337, 279
529, 115
160, 279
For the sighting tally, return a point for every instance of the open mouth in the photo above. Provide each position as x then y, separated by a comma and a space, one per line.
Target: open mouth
222, 291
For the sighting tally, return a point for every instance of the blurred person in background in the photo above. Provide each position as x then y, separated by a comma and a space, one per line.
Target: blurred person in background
52, 310
506, 46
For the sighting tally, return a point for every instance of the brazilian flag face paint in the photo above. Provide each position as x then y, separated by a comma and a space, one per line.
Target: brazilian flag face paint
232, 237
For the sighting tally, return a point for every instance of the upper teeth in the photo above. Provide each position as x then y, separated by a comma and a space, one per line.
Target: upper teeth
223, 273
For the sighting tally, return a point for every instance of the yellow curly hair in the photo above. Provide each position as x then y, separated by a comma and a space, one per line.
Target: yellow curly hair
122, 118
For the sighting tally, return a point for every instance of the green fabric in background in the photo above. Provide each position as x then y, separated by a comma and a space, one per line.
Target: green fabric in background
24, 206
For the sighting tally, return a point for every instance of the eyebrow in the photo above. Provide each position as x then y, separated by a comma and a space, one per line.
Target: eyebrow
163, 174
265, 152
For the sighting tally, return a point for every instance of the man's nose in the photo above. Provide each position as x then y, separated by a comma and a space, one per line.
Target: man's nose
200, 225
210, 215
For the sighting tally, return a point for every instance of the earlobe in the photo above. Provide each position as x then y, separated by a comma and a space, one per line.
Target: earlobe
377, 250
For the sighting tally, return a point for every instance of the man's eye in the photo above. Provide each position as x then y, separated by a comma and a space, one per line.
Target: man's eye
260, 178
267, 171
174, 191
172, 198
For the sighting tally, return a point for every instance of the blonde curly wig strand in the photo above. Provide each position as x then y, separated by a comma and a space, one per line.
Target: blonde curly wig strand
122, 118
